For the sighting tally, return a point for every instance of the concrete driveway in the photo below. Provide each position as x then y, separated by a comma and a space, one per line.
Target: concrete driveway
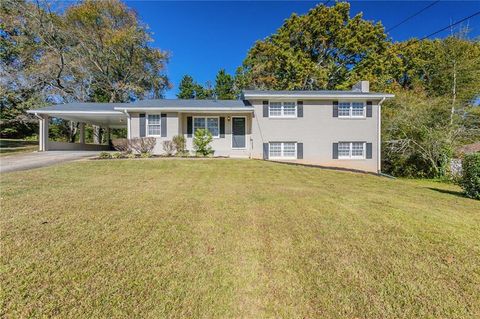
26, 161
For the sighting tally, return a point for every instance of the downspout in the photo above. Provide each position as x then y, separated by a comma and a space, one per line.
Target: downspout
379, 137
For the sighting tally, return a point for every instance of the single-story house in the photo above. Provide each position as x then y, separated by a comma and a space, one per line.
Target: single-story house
328, 128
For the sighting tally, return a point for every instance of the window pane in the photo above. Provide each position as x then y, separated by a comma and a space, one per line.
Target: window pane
344, 109
275, 150
343, 149
275, 109
198, 122
289, 150
289, 109
357, 109
212, 125
154, 129
153, 119
357, 149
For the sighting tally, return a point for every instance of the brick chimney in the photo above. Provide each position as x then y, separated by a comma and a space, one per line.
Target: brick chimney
362, 86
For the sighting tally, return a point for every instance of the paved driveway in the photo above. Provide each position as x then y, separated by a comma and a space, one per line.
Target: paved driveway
40, 159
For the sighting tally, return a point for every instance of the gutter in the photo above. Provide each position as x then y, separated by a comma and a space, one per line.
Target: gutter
320, 96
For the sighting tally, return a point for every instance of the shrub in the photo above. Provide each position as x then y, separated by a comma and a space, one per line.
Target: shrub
117, 155
168, 147
131, 155
201, 142
142, 144
180, 144
470, 181
105, 155
122, 145
146, 155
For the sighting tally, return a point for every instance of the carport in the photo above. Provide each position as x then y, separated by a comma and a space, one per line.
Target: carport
101, 114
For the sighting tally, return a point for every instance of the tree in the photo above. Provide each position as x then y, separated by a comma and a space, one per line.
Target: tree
189, 89
224, 86
94, 51
323, 49
186, 88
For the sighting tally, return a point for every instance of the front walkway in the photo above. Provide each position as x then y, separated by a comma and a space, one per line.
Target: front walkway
40, 159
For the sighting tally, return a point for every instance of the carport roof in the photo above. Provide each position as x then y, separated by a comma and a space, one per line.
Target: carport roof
60, 110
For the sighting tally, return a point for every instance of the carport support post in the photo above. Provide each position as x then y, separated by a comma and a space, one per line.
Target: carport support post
108, 135
82, 133
43, 124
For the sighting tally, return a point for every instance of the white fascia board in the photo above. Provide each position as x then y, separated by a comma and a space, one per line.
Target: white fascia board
75, 112
318, 97
187, 109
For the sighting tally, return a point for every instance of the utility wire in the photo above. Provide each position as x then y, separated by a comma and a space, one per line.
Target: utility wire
451, 25
412, 16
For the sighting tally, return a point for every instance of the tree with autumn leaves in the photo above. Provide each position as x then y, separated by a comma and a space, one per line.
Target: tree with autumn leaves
94, 51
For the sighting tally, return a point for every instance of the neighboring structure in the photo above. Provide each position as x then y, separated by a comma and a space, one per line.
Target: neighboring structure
329, 128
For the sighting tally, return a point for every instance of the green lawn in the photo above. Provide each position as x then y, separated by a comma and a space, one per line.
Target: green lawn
14, 146
234, 238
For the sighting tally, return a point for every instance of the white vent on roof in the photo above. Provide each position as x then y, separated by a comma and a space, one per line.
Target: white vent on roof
362, 86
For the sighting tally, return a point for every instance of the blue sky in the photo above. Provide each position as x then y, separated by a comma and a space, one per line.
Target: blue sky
204, 37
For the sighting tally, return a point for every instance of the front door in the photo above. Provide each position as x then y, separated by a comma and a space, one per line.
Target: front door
239, 138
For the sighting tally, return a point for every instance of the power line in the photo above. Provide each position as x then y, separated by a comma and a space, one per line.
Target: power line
412, 16
451, 25
436, 32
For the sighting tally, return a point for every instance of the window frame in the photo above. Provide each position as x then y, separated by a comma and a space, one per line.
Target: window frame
282, 147
206, 124
282, 109
350, 151
147, 125
350, 110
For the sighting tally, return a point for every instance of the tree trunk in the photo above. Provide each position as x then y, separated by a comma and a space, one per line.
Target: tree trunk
97, 134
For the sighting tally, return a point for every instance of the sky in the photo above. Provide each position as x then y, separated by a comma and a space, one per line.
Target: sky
204, 37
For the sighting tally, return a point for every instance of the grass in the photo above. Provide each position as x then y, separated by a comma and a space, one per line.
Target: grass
15, 146
234, 238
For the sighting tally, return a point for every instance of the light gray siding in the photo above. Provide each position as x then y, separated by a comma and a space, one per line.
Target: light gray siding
172, 128
222, 146
318, 130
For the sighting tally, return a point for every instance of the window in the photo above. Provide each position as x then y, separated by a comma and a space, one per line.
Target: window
209, 123
153, 124
351, 109
349, 150
282, 109
285, 150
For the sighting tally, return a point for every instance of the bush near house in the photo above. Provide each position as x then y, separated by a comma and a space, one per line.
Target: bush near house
180, 144
169, 147
470, 181
122, 145
142, 145
201, 142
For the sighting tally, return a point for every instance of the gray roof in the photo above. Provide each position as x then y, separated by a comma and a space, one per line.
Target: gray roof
186, 103
310, 93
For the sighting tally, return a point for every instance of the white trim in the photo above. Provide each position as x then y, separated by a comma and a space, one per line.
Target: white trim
350, 149
281, 151
350, 110
317, 96
246, 109
146, 125
282, 109
379, 137
74, 112
206, 126
231, 129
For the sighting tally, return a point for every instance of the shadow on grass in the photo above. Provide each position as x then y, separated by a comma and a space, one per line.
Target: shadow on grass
447, 191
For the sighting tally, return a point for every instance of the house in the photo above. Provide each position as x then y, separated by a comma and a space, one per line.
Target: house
328, 128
